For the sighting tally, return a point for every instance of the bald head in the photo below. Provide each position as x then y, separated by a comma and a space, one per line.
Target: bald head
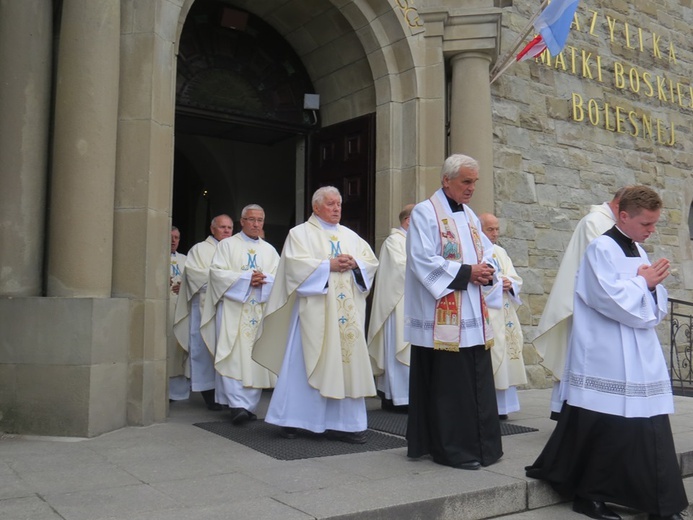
490, 226
222, 227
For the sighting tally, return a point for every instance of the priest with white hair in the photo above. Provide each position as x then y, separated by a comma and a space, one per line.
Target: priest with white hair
452, 402
313, 335
241, 276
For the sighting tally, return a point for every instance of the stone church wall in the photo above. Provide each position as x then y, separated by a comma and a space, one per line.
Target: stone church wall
615, 108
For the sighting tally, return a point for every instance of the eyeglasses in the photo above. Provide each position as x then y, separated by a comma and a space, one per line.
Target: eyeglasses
253, 220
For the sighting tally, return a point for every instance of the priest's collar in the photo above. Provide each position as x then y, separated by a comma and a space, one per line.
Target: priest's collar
326, 225
624, 242
454, 206
246, 237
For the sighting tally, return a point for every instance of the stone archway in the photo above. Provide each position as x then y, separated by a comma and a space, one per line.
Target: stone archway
360, 61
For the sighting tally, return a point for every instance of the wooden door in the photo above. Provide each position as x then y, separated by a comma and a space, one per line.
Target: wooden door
343, 156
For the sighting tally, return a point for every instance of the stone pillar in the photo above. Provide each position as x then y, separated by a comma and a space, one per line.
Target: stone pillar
80, 247
471, 131
25, 87
469, 38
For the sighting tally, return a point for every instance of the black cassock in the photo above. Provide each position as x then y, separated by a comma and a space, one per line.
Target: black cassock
609, 458
453, 415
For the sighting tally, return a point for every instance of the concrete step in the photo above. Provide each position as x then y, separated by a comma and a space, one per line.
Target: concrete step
564, 510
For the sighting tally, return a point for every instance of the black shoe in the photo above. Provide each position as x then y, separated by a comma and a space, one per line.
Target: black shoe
240, 416
675, 516
472, 464
594, 509
288, 432
348, 437
208, 396
253, 417
503, 417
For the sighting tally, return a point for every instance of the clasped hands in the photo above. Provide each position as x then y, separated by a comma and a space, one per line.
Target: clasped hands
257, 279
654, 273
342, 263
482, 274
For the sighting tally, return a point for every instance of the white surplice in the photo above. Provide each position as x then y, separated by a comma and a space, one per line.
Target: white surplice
178, 369
232, 314
189, 307
553, 331
428, 274
312, 335
506, 353
386, 346
615, 361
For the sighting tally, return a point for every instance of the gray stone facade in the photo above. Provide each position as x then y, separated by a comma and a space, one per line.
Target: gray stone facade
552, 162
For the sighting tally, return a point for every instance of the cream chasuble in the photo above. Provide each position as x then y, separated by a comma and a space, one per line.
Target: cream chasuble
331, 324
554, 327
176, 358
506, 353
233, 309
194, 281
388, 302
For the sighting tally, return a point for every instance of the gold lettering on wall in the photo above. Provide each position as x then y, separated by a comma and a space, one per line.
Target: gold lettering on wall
662, 88
622, 120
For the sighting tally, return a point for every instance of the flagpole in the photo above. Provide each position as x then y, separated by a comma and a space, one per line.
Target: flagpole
504, 62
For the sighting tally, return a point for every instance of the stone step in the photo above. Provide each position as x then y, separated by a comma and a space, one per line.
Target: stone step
564, 511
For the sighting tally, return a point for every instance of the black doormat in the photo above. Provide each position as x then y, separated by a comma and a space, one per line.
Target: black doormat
396, 424
265, 438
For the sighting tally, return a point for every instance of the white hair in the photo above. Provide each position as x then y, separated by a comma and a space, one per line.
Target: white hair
249, 207
454, 163
321, 193
214, 220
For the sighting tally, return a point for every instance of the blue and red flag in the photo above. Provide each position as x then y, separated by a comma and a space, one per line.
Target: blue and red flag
553, 26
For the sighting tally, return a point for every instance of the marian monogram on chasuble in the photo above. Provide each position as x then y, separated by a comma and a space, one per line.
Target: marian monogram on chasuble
448, 316
346, 308
251, 313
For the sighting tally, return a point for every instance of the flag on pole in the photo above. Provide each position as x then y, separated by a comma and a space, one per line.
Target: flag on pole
553, 26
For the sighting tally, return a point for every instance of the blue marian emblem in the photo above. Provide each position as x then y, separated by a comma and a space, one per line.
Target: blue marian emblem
335, 247
252, 261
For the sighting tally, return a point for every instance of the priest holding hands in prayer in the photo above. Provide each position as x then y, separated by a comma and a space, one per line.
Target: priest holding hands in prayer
313, 334
613, 441
453, 414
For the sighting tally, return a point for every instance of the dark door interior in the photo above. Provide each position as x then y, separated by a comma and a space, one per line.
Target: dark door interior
343, 156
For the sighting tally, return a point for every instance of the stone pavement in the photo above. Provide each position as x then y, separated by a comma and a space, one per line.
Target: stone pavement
177, 471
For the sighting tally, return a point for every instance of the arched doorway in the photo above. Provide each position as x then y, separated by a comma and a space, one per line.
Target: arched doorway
240, 122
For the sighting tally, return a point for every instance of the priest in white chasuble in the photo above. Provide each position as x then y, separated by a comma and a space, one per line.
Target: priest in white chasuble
313, 335
177, 358
503, 299
613, 441
553, 331
241, 276
190, 305
388, 350
453, 414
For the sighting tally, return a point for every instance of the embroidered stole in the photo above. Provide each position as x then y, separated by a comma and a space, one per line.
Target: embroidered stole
448, 316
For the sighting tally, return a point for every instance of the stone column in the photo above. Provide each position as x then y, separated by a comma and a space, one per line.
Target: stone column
80, 247
469, 38
471, 131
25, 88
